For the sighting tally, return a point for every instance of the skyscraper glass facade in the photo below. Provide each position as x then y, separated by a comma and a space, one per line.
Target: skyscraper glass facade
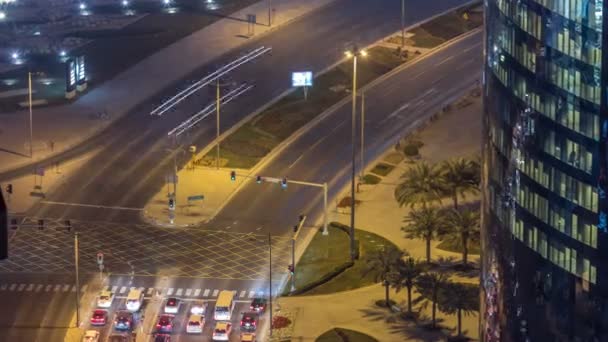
545, 251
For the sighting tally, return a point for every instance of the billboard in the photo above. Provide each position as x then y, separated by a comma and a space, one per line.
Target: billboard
70, 75
301, 79
81, 71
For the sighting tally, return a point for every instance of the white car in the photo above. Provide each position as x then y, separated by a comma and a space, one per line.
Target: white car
195, 324
134, 300
105, 299
222, 331
172, 305
198, 308
91, 336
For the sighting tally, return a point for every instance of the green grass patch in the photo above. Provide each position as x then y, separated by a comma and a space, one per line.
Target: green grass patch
424, 39
394, 158
352, 277
344, 335
454, 245
371, 179
382, 169
257, 138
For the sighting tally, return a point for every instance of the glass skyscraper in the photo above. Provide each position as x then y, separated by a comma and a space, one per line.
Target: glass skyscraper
544, 235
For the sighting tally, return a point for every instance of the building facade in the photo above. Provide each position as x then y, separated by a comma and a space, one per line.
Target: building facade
544, 234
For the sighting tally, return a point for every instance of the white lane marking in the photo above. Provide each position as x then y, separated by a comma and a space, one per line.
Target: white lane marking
197, 292
21, 287
260, 227
313, 146
251, 294
215, 292
57, 288
84, 288
12, 288
66, 287
471, 48
39, 288
188, 292
123, 289
179, 292
73, 288
149, 292
295, 161
445, 60
114, 288
206, 292
242, 294
418, 75
170, 291
48, 288
394, 113
30, 287
90, 205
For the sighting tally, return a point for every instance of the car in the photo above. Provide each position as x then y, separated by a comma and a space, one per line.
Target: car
105, 299
134, 300
248, 337
123, 320
249, 321
195, 324
172, 305
165, 324
258, 305
198, 308
99, 317
91, 336
222, 331
118, 338
162, 338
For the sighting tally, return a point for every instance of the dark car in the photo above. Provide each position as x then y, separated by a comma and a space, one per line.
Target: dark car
118, 338
123, 320
162, 338
165, 324
258, 305
99, 317
249, 321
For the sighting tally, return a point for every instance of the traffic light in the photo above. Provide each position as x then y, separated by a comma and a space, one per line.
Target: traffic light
68, 225
301, 218
9, 189
232, 176
171, 203
290, 268
284, 183
295, 228
258, 179
40, 224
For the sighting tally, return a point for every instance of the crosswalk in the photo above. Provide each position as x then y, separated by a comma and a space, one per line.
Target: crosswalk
122, 291
40, 288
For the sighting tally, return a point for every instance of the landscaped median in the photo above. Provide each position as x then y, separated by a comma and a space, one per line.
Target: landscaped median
256, 138
325, 266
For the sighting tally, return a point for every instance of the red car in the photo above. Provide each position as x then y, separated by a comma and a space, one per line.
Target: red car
165, 324
99, 317
249, 321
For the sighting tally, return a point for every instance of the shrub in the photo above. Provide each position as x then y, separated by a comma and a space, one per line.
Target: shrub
279, 322
410, 150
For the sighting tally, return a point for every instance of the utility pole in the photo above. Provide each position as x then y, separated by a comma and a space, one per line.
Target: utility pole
325, 231
217, 128
353, 142
29, 78
269, 13
297, 229
270, 278
402, 24
362, 167
77, 280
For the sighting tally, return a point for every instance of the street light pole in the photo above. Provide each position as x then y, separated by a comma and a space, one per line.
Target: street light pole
77, 280
269, 13
353, 140
402, 23
362, 166
270, 278
325, 232
217, 128
29, 79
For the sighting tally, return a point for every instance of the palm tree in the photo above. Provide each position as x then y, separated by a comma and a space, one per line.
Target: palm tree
459, 298
464, 225
425, 223
382, 265
407, 271
429, 285
421, 184
459, 177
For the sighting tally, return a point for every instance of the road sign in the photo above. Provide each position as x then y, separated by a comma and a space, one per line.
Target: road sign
196, 198
301, 79
251, 18
100, 259
171, 179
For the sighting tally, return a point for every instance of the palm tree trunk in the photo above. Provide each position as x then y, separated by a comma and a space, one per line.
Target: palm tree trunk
386, 286
455, 199
459, 314
465, 250
428, 250
409, 299
434, 307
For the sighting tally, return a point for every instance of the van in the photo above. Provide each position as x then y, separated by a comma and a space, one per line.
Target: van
224, 306
135, 299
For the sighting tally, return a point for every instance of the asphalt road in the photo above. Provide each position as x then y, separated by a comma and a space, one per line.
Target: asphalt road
323, 154
133, 163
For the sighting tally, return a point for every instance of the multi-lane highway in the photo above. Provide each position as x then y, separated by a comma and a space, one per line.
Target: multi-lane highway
132, 164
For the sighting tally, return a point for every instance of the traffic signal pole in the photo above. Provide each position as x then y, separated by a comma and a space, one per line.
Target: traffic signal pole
293, 251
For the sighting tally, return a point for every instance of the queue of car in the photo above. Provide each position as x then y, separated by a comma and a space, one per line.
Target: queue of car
123, 319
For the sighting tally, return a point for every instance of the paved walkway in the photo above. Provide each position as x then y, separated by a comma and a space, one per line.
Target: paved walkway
61, 127
380, 213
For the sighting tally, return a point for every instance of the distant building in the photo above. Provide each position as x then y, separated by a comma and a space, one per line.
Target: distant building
544, 242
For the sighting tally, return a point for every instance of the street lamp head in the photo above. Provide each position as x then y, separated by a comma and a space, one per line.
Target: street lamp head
348, 54
82, 6
363, 53
355, 52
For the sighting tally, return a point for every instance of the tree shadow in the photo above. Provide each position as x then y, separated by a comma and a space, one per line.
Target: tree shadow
453, 266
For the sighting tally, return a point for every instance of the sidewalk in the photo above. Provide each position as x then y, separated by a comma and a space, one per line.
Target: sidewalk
58, 128
380, 213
